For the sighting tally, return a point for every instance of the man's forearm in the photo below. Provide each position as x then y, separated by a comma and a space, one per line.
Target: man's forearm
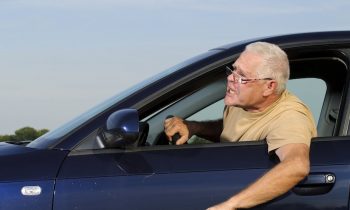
274, 183
294, 166
210, 130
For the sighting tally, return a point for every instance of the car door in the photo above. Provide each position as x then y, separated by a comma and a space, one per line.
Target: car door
162, 177
196, 176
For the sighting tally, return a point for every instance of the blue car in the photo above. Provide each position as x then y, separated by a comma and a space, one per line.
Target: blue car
116, 156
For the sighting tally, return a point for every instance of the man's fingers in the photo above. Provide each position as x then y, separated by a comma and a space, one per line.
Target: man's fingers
173, 126
169, 128
181, 140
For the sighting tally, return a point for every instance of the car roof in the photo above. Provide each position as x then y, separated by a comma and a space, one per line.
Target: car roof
295, 39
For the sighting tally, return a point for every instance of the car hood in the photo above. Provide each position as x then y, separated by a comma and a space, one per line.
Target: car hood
23, 163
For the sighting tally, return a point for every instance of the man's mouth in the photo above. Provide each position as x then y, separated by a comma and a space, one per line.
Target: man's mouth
230, 91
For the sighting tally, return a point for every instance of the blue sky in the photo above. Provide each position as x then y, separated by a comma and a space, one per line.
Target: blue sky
60, 58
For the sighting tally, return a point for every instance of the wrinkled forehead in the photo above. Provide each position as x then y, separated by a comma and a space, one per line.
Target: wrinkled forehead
248, 63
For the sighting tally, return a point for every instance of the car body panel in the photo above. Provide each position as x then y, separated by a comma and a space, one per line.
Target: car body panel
24, 163
24, 167
12, 198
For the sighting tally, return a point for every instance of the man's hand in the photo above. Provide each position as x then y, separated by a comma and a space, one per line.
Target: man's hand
222, 206
176, 125
293, 168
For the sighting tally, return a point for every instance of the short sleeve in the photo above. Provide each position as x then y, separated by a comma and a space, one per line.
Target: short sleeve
290, 127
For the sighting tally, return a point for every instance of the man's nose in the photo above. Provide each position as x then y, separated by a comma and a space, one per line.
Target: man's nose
230, 78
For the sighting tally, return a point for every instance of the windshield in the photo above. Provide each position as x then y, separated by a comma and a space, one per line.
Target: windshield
53, 137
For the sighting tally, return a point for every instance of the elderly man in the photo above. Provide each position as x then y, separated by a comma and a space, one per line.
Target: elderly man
259, 107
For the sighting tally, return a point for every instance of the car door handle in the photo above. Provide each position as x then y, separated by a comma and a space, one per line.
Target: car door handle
315, 184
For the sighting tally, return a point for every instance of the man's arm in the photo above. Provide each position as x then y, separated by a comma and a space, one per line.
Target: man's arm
209, 130
293, 168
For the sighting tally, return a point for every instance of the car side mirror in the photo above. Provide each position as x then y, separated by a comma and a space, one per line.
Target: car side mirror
122, 129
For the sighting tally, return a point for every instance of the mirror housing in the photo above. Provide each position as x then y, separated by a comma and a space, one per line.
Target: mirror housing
122, 129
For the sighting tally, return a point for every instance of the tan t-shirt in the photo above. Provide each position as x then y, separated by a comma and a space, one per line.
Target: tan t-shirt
288, 120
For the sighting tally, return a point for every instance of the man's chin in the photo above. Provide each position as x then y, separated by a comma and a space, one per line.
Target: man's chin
230, 102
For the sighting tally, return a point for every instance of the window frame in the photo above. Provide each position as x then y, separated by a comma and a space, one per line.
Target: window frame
216, 71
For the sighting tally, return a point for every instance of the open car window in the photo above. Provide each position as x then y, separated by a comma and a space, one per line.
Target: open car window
201, 97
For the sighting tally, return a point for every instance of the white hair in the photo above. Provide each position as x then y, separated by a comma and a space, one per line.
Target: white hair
275, 63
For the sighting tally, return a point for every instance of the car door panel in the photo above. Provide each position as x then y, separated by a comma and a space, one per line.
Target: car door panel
186, 177
158, 191
177, 177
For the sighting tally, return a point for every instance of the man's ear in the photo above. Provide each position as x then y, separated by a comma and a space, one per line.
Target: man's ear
270, 87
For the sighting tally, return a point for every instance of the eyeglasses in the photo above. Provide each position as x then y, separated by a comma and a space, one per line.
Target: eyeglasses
239, 78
